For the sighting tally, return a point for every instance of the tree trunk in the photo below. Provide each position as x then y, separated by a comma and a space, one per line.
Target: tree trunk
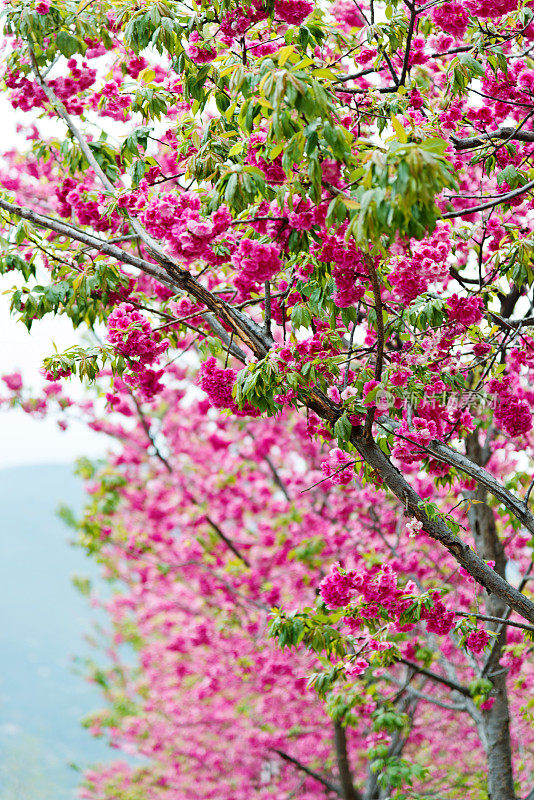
495, 725
349, 792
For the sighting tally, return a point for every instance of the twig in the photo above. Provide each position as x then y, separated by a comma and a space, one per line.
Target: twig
325, 782
345, 466
452, 685
228, 542
150, 437
277, 479
267, 322
487, 618
503, 198
409, 36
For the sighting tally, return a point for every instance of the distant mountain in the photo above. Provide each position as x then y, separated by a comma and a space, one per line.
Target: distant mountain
43, 621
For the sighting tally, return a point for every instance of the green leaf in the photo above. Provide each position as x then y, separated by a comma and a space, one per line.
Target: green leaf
343, 428
67, 44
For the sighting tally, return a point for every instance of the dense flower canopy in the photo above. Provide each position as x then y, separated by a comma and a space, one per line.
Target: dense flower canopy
300, 235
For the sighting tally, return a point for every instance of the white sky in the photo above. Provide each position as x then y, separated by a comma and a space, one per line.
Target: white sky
24, 439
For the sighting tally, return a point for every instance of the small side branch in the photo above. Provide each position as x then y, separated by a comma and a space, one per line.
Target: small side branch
299, 765
503, 198
277, 479
150, 437
452, 685
499, 620
228, 542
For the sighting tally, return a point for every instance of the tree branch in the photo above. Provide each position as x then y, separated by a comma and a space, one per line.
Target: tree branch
452, 457
228, 542
409, 36
452, 685
438, 530
277, 479
486, 138
150, 437
500, 620
328, 784
429, 699
172, 275
503, 198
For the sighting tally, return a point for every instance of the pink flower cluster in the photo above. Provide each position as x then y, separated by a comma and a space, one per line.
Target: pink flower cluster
491, 8
451, 17
339, 468
438, 619
13, 381
347, 265
238, 21
420, 432
466, 310
292, 11
43, 7
318, 348
111, 101
272, 169
512, 413
132, 336
78, 198
379, 592
338, 588
28, 94
218, 384
423, 263
477, 640
175, 219
198, 50
256, 263
347, 15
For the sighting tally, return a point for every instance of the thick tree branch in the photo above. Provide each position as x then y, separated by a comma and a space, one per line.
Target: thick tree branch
505, 132
517, 507
494, 725
172, 276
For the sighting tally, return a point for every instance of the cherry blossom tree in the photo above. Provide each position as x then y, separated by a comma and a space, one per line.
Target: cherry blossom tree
318, 217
